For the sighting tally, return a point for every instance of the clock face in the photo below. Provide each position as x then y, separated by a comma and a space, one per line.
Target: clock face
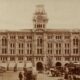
39, 18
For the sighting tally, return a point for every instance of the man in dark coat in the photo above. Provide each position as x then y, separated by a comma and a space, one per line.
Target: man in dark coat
20, 76
29, 75
66, 76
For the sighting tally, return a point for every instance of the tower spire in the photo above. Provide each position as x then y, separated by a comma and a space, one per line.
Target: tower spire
40, 17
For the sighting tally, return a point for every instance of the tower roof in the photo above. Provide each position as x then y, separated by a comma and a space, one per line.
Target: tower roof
40, 9
40, 17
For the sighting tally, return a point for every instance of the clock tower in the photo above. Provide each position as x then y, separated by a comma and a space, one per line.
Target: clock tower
40, 17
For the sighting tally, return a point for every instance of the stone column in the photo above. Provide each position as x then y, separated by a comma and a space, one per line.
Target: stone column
71, 46
16, 44
34, 49
63, 50
0, 47
8, 50
16, 52
25, 49
53, 50
8, 45
8, 59
45, 49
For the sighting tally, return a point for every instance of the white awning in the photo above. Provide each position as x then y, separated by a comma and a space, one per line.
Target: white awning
77, 63
12, 64
21, 65
34, 71
3, 64
28, 64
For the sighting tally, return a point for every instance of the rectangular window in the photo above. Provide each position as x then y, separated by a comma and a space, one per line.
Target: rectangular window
58, 58
50, 45
67, 37
60, 45
67, 58
59, 37
56, 51
75, 51
66, 45
19, 45
27, 51
12, 51
12, 37
49, 36
59, 51
40, 51
4, 50
30, 51
20, 37
37, 51
22, 51
20, 58
12, 58
29, 37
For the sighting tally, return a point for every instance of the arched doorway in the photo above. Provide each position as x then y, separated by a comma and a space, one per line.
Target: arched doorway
58, 64
39, 66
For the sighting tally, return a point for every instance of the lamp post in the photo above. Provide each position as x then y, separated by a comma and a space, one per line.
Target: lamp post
45, 61
8, 66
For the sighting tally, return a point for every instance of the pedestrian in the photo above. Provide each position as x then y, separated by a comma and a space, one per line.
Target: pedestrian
20, 76
25, 74
66, 76
29, 75
74, 77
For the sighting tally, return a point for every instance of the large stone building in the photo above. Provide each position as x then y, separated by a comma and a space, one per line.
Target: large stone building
36, 44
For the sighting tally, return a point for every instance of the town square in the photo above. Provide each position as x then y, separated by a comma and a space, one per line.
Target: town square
39, 40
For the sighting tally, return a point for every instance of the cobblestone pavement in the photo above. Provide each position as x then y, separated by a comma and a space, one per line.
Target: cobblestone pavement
14, 76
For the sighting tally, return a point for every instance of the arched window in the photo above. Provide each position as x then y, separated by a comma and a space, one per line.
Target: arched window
39, 42
4, 42
75, 42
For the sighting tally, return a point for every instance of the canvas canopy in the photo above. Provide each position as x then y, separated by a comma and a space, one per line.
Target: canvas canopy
12, 65
20, 65
28, 64
3, 64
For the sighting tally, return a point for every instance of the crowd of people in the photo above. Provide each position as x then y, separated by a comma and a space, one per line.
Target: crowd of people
69, 73
27, 75
72, 74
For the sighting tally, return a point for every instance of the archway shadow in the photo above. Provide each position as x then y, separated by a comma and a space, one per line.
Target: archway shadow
39, 66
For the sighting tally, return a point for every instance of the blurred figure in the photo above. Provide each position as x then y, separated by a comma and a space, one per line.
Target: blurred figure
25, 74
20, 76
34, 73
66, 76
29, 75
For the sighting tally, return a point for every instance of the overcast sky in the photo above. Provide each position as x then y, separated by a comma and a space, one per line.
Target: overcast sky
18, 14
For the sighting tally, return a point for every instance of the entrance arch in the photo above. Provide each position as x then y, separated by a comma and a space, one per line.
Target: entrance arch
58, 64
39, 66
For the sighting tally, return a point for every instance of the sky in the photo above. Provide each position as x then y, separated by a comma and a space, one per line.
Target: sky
18, 14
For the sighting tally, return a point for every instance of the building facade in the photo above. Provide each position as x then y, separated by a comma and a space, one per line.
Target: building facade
39, 43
